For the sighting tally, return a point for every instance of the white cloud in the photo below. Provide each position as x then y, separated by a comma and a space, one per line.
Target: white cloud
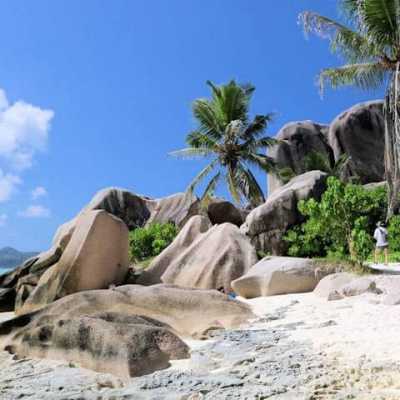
3, 100
38, 192
3, 219
24, 131
35, 211
8, 184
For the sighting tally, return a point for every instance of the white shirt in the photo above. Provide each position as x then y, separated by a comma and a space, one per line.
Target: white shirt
380, 235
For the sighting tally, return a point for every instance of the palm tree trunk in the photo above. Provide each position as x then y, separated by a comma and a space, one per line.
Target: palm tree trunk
392, 142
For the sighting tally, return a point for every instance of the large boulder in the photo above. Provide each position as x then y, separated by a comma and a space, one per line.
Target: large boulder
177, 209
96, 257
121, 203
136, 210
296, 141
189, 233
267, 224
16, 285
331, 284
187, 311
115, 342
212, 260
221, 211
359, 132
277, 275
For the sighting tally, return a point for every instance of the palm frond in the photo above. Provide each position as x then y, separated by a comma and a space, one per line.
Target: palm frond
233, 185
379, 20
317, 161
209, 122
192, 153
353, 46
210, 189
261, 161
249, 186
197, 139
201, 175
285, 174
255, 145
340, 165
366, 76
257, 126
231, 101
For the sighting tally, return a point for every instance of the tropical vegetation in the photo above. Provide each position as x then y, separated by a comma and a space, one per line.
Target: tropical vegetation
317, 161
340, 224
150, 241
370, 46
231, 141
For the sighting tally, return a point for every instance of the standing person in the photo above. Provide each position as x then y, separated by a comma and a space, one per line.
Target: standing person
380, 235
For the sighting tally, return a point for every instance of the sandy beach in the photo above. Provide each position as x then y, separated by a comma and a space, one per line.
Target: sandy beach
299, 347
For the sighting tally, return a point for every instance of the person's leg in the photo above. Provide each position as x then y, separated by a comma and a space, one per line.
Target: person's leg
386, 250
376, 255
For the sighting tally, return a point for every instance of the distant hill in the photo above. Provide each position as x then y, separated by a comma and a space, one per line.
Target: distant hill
10, 258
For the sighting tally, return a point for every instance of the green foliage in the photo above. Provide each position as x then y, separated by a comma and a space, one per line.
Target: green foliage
316, 161
234, 143
150, 241
340, 224
362, 242
369, 44
394, 234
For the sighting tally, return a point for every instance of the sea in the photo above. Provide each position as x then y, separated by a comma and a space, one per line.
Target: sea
4, 270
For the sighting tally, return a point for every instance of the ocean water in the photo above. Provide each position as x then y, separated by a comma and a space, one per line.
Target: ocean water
4, 270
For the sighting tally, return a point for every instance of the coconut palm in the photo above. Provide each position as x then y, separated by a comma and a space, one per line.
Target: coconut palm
317, 161
370, 46
233, 143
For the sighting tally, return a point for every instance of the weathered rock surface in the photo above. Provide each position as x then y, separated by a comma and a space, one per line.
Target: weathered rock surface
212, 260
134, 210
221, 211
359, 286
187, 311
189, 233
277, 275
121, 203
176, 209
17, 284
267, 224
96, 256
299, 348
333, 283
375, 185
7, 299
297, 140
359, 133
64, 233
114, 342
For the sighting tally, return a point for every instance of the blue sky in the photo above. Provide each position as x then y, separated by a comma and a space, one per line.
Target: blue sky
95, 93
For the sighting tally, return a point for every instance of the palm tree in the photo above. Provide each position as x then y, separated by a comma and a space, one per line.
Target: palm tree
317, 161
370, 46
233, 143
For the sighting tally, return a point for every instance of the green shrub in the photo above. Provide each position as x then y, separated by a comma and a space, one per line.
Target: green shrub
362, 243
394, 234
340, 224
150, 241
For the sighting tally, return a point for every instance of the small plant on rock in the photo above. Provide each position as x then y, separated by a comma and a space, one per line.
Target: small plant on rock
150, 241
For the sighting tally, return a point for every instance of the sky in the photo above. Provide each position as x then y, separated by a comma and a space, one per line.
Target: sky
96, 93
